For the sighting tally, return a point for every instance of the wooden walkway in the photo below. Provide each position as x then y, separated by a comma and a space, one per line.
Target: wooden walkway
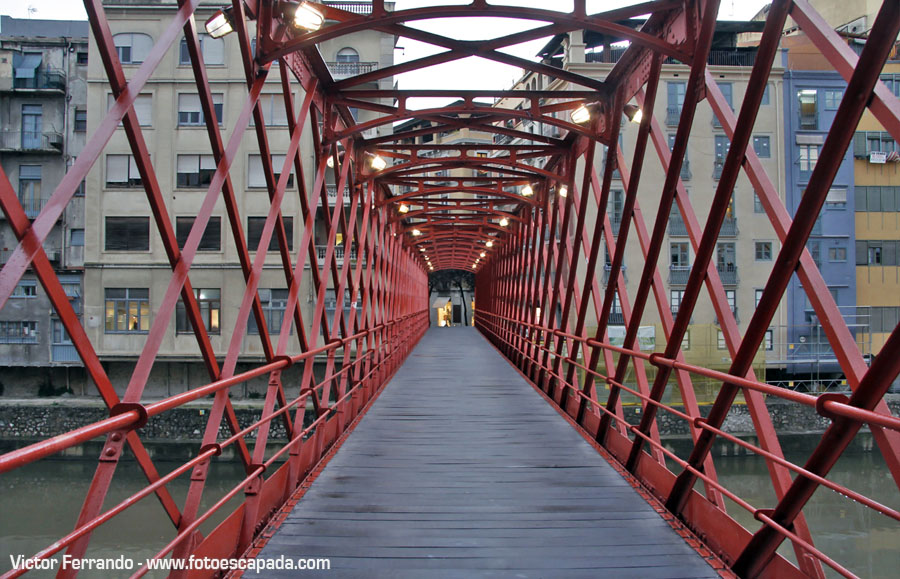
461, 469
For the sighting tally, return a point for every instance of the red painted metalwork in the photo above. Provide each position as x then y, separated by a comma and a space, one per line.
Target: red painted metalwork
537, 284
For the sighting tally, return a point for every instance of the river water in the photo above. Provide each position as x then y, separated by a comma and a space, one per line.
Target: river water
39, 503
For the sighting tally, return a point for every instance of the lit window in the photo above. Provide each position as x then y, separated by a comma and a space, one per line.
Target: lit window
127, 310
210, 304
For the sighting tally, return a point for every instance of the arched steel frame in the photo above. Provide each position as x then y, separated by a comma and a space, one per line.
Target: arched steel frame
533, 295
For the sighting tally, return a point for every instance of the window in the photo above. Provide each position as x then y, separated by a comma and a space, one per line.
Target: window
813, 248
255, 228
132, 47
809, 111
685, 164
127, 310
757, 204
212, 235
80, 125
122, 172
195, 171
79, 192
765, 96
127, 234
18, 332
256, 178
874, 254
274, 306
81, 58
143, 108
884, 319
809, 154
675, 297
833, 99
679, 254
722, 146
675, 102
686, 341
76, 237
836, 198
32, 126
762, 146
272, 108
731, 297
210, 304
757, 295
212, 49
770, 340
30, 188
27, 288
728, 92
837, 254
190, 113
867, 142
763, 251
720, 340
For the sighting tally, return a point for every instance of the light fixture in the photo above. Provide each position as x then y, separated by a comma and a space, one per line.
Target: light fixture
634, 113
404, 208
527, 191
377, 162
422, 249
474, 265
220, 23
563, 191
504, 222
581, 115
305, 16
416, 232
483, 253
330, 160
490, 243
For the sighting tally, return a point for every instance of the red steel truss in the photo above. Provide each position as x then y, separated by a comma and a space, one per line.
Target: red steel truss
535, 258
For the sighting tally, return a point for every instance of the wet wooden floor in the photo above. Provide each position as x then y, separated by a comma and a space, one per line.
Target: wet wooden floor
461, 469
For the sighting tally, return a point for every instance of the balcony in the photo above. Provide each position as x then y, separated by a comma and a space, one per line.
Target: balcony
64, 353
729, 228
332, 195
673, 115
339, 252
728, 274
52, 254
26, 141
734, 311
340, 70
616, 319
607, 269
809, 121
43, 80
685, 170
718, 165
678, 274
677, 228
716, 57
615, 221
32, 206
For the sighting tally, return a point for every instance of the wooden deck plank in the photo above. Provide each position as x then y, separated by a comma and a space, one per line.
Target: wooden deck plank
460, 469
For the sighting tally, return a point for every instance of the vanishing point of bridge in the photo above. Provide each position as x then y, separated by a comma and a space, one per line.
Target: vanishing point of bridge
499, 450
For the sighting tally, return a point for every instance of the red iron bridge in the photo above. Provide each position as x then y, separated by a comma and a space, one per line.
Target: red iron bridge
503, 449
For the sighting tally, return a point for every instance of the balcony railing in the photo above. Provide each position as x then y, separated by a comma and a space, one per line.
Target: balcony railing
735, 57
678, 274
729, 228
332, 195
52, 254
31, 141
728, 274
677, 226
48, 79
615, 220
809, 121
673, 115
64, 353
32, 206
616, 319
339, 252
341, 70
354, 7
718, 165
607, 269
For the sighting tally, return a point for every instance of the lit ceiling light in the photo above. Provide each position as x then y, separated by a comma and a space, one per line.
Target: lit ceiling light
422, 249
634, 113
307, 17
483, 253
416, 232
527, 191
474, 265
378, 163
490, 243
504, 222
220, 23
563, 191
330, 162
581, 115
404, 208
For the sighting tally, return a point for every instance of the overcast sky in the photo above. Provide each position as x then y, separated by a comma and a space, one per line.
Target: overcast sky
468, 73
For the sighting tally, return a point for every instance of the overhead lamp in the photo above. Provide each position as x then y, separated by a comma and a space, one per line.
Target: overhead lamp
330, 160
474, 265
416, 232
489, 243
377, 162
220, 23
404, 208
563, 191
527, 191
504, 222
422, 249
581, 115
483, 253
304, 15
634, 113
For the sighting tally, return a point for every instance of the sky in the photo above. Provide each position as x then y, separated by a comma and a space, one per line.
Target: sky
469, 73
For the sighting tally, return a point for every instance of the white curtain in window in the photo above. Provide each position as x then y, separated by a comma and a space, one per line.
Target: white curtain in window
116, 168
213, 50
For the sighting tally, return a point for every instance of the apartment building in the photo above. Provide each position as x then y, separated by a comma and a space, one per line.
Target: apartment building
43, 108
126, 269
747, 243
